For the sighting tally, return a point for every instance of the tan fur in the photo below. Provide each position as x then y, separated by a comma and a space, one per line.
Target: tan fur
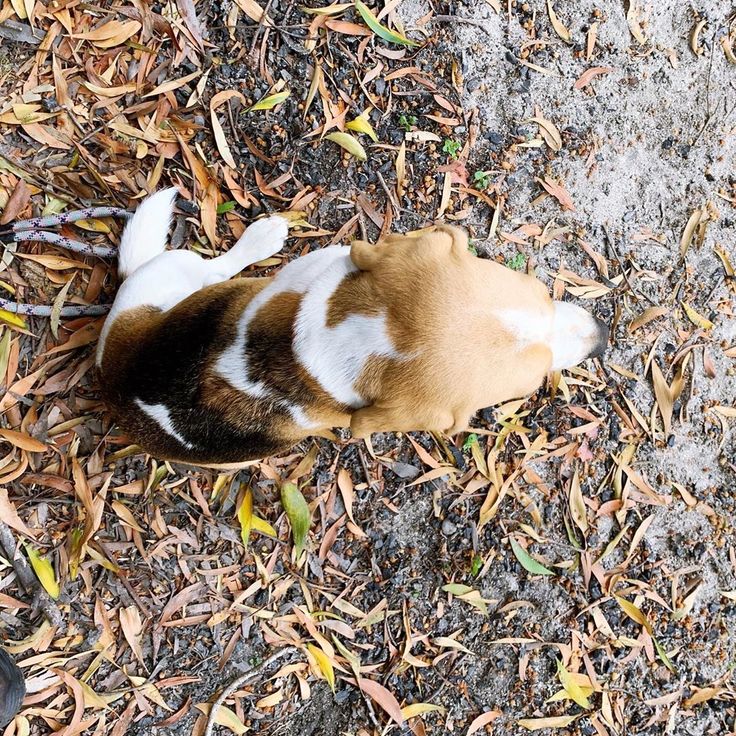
440, 303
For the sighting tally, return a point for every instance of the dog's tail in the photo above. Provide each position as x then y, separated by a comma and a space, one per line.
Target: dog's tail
147, 232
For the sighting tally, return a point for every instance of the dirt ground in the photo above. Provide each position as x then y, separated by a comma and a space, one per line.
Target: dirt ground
586, 534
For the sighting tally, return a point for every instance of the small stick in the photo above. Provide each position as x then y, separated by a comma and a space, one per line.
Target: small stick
239, 682
27, 579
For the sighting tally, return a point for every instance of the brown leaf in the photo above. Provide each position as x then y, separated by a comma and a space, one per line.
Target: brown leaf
590, 74
482, 720
16, 204
130, 623
558, 192
10, 516
208, 209
22, 440
648, 315
383, 697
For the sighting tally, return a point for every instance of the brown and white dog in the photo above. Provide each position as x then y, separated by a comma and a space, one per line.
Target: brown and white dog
414, 333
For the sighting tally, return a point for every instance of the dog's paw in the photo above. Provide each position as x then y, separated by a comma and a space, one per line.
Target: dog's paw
274, 229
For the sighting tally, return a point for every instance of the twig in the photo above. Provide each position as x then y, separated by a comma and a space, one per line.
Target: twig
27, 579
628, 283
239, 682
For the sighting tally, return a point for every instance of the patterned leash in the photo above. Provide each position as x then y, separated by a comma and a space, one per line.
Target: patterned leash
34, 230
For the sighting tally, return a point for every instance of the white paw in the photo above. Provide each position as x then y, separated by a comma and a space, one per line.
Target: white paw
274, 229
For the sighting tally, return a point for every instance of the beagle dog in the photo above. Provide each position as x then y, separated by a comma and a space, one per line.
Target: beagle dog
414, 333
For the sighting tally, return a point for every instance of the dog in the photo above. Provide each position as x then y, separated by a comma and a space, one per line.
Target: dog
414, 333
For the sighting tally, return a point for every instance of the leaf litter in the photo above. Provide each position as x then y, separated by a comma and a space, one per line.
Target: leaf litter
382, 569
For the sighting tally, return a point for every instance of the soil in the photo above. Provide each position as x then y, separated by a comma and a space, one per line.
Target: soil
648, 141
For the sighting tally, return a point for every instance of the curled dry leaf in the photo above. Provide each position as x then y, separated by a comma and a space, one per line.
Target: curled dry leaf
224, 717
633, 20
590, 74
558, 26
549, 132
324, 664
695, 46
558, 192
220, 140
696, 318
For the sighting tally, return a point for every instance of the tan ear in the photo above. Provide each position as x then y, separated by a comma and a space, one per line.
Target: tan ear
458, 238
364, 255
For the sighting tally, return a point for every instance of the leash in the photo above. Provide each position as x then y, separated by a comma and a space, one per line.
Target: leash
35, 229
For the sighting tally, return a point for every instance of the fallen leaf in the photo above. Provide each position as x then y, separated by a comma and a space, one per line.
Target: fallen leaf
350, 144
590, 74
298, 514
482, 720
385, 33
44, 572
527, 561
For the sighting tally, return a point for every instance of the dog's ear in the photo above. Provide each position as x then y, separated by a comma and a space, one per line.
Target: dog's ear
364, 255
456, 236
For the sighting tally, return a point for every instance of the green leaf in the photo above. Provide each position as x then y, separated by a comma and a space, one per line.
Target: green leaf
270, 101
469, 440
527, 561
298, 513
380, 30
663, 656
350, 144
226, 207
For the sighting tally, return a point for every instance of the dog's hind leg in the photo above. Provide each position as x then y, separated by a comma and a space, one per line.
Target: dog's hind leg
261, 240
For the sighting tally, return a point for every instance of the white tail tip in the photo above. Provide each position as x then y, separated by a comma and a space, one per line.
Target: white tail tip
147, 232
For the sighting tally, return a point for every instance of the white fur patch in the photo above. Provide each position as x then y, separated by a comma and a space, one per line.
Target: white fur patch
529, 327
334, 356
160, 414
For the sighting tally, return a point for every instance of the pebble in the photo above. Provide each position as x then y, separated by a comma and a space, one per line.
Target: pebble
448, 528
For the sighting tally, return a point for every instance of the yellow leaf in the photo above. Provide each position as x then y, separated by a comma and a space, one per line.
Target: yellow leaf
573, 690
245, 516
535, 724
697, 319
224, 717
324, 664
270, 101
417, 709
44, 572
262, 526
633, 612
361, 125
94, 226
12, 318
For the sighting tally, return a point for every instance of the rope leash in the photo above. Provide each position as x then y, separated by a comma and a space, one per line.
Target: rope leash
34, 229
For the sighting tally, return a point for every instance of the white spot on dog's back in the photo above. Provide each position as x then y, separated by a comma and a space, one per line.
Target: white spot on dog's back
160, 414
335, 356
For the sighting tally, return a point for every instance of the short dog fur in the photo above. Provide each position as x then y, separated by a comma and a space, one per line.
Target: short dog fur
414, 333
